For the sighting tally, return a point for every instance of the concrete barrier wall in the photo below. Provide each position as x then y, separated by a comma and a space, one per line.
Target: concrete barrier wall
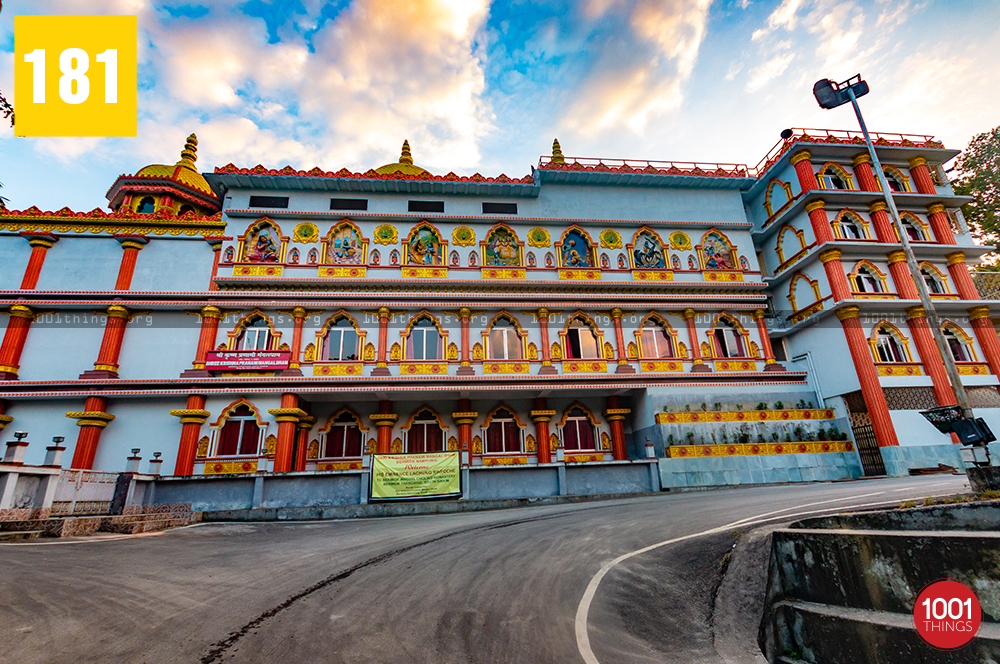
759, 469
499, 483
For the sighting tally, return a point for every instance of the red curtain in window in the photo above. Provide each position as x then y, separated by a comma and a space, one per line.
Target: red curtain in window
570, 439
586, 435
229, 438
494, 438
248, 442
335, 442
415, 442
352, 442
513, 438
434, 438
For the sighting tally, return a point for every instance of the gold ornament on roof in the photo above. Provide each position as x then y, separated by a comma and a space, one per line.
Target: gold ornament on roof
557, 155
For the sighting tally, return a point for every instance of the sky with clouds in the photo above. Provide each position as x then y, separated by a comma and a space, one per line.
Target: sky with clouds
484, 87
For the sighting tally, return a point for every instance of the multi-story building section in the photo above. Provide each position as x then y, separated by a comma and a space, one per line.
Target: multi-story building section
735, 325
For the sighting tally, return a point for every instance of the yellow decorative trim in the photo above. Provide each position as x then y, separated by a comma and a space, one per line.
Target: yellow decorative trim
386, 234
425, 273
257, 271
419, 368
52, 225
652, 275
934, 208
383, 419
916, 312
463, 236
610, 239
679, 241
977, 369
738, 365
895, 257
591, 274
349, 465
584, 366
873, 296
583, 458
916, 161
305, 233
358, 272
505, 461
861, 158
746, 416
877, 206
338, 369
505, 367
977, 313
539, 237
830, 255
234, 467
944, 296
723, 276
800, 156
542, 415
814, 308
908, 369
287, 414
503, 273
21, 311
191, 415
661, 366
106, 367
816, 205
125, 245
94, 418
953, 258
757, 449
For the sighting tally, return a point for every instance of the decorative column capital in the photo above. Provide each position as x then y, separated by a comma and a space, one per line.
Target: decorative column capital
542, 415
616, 313
861, 158
830, 255
758, 314
5, 420
131, 241
816, 205
978, 313
211, 312
916, 161
616, 414
916, 312
21, 311
39, 239
383, 312
287, 414
91, 418
848, 313
934, 208
383, 419
800, 156
688, 314
465, 418
543, 313
895, 257
464, 313
953, 258
191, 415
118, 311
299, 312
306, 422
877, 206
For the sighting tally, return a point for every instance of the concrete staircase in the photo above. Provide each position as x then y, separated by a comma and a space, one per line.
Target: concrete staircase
134, 520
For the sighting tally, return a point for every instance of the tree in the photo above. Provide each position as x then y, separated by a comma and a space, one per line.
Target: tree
979, 176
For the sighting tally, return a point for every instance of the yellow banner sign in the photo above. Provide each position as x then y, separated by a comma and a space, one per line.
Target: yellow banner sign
399, 476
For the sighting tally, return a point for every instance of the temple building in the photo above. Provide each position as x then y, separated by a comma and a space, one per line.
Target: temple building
637, 324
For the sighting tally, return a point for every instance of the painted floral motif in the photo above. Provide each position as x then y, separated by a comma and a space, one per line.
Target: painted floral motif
501, 248
386, 234
610, 239
345, 246
463, 236
575, 250
647, 253
717, 252
262, 245
538, 237
424, 247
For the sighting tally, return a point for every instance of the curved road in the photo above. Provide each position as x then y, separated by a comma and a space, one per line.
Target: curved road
499, 586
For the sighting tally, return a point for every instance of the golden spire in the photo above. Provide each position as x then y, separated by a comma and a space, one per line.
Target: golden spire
557, 155
189, 154
405, 157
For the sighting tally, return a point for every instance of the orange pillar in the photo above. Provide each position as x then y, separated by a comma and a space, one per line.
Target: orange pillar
210, 317
901, 277
615, 415
298, 320
384, 419
623, 366
13, 340
381, 365
301, 447
862, 163
770, 364
465, 417
40, 245
939, 224
287, 417
959, 272
804, 171
106, 365
465, 368
192, 417
884, 230
835, 274
983, 328
541, 416
91, 421
698, 364
131, 244
543, 328
921, 175
864, 366
929, 355
819, 221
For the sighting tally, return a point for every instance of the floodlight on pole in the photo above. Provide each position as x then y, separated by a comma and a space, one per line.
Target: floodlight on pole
831, 95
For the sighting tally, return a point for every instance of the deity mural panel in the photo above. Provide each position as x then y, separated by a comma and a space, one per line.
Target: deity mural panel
647, 252
424, 247
345, 246
716, 252
501, 248
262, 245
575, 250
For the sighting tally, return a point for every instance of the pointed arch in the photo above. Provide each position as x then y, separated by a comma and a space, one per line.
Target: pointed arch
494, 340
953, 334
407, 338
863, 285
787, 253
717, 251
586, 411
893, 173
499, 406
345, 245
647, 343
501, 247
425, 245
935, 274
420, 409
796, 302
849, 225
779, 194
228, 410
727, 337
569, 254
647, 251
921, 230
831, 173
577, 345
323, 348
262, 242
235, 334
882, 346
340, 411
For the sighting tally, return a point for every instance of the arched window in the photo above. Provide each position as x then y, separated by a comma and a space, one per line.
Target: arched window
959, 347
933, 281
834, 177
578, 432
851, 227
913, 229
344, 437
256, 335
728, 340
239, 434
503, 434
777, 196
505, 342
146, 206
655, 341
865, 281
425, 340
425, 434
897, 181
581, 342
341, 342
888, 347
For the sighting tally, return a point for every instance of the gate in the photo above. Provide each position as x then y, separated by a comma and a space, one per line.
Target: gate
868, 449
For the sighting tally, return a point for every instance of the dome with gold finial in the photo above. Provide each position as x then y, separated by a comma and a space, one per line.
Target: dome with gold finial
177, 188
405, 164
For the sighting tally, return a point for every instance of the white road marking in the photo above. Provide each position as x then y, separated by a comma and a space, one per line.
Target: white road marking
583, 609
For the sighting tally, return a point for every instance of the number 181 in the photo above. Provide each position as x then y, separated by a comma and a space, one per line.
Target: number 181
74, 63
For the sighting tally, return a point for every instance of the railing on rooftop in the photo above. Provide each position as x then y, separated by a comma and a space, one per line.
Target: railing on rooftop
645, 166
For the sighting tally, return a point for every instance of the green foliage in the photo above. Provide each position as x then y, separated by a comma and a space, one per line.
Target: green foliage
979, 176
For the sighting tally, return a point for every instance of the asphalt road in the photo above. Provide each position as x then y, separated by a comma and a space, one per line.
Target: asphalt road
500, 586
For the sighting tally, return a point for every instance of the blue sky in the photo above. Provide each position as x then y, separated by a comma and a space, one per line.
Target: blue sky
484, 87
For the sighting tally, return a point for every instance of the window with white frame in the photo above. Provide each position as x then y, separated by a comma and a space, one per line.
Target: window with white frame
932, 280
505, 342
834, 178
344, 437
728, 340
888, 346
581, 342
425, 434
959, 347
503, 434
424, 338
913, 229
578, 432
341, 342
256, 335
851, 228
865, 281
655, 340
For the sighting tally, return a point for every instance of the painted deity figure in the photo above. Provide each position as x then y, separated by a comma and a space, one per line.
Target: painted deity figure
648, 253
501, 249
575, 250
261, 246
425, 248
345, 246
717, 253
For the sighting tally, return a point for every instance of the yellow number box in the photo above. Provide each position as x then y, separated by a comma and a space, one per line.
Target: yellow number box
75, 75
